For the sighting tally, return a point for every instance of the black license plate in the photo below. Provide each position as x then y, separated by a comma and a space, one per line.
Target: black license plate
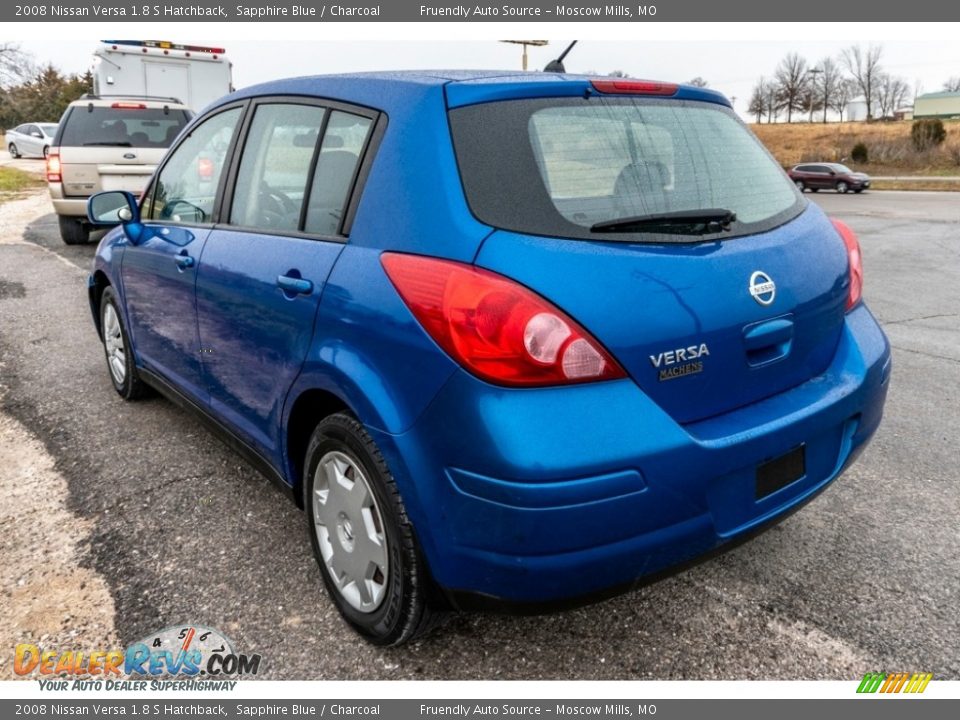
780, 472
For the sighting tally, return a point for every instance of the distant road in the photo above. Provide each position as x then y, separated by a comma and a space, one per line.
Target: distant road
917, 178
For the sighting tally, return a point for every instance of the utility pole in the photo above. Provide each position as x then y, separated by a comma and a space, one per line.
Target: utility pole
813, 72
526, 43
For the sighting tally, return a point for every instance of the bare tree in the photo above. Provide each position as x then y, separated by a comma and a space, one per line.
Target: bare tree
15, 65
864, 65
843, 94
831, 79
952, 85
698, 82
899, 92
758, 99
891, 94
791, 77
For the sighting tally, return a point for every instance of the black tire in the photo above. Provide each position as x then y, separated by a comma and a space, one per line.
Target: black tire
801, 186
46, 151
73, 231
131, 387
842, 187
858, 191
14, 153
404, 612
813, 190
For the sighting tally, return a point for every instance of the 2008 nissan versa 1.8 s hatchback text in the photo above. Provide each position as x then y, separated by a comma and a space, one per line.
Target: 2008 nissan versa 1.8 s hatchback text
512, 340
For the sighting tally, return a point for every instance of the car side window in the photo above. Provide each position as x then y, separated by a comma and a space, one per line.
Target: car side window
32, 130
272, 178
186, 188
340, 153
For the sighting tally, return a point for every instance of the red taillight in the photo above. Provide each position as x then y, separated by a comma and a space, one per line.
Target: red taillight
634, 87
856, 263
53, 167
128, 106
495, 327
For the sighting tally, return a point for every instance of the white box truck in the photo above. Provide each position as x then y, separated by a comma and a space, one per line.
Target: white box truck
193, 74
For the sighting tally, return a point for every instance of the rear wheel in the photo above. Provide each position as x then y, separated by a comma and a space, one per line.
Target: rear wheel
800, 185
361, 536
46, 151
73, 231
842, 187
116, 346
14, 153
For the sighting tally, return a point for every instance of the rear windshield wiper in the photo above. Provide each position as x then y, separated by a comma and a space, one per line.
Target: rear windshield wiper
108, 144
686, 221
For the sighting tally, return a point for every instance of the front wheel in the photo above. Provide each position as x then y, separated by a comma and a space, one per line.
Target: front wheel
361, 536
14, 152
116, 346
842, 187
858, 191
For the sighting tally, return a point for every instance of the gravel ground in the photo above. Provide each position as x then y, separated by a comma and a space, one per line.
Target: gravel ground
125, 518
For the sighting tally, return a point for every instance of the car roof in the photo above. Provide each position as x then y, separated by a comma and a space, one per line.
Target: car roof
394, 90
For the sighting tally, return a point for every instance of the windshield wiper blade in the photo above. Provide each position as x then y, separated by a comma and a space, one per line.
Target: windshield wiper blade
707, 220
108, 144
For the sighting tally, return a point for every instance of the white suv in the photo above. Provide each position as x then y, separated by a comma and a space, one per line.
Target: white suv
107, 143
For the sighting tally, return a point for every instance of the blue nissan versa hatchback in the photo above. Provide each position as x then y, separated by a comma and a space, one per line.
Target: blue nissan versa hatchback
512, 340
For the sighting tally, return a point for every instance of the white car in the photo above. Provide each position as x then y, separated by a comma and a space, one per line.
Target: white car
31, 139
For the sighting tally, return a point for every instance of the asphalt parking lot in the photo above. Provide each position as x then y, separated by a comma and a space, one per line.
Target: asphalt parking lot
120, 519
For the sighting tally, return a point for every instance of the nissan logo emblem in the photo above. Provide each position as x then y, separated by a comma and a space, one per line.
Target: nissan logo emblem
762, 288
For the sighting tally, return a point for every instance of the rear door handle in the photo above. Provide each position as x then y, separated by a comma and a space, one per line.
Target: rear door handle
184, 261
294, 285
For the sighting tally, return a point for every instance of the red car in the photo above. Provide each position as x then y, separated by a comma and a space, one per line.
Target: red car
828, 176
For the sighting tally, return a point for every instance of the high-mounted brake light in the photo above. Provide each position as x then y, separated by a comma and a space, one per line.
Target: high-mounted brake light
53, 167
856, 262
495, 327
128, 106
634, 87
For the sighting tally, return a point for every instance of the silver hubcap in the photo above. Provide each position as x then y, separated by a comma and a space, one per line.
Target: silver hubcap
113, 341
350, 531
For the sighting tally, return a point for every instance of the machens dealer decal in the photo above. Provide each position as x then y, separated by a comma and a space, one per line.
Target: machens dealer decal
681, 362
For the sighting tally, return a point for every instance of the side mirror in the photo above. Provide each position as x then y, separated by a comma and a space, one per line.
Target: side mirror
108, 209
117, 207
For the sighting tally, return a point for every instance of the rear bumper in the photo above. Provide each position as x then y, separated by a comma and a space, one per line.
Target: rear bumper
71, 206
545, 495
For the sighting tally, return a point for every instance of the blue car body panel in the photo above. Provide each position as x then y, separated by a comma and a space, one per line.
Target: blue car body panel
528, 495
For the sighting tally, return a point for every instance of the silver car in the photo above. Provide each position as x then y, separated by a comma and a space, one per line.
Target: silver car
31, 139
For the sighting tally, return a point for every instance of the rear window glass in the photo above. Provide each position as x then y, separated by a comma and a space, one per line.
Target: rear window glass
559, 166
122, 127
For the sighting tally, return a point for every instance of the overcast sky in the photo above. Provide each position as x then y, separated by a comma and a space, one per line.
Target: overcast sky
731, 67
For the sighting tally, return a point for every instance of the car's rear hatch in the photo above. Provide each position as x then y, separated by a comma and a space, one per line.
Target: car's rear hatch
114, 147
704, 320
